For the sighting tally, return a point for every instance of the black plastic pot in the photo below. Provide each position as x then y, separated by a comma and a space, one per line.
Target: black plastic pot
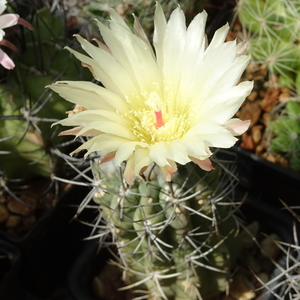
48, 251
266, 180
90, 263
84, 269
9, 266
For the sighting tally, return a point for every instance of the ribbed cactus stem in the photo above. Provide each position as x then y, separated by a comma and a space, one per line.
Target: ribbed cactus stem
167, 233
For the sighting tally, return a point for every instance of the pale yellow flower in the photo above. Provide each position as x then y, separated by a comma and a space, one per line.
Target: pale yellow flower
168, 105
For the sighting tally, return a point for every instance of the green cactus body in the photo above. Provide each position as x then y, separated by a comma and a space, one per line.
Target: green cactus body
281, 58
286, 131
26, 108
21, 143
265, 18
170, 237
275, 28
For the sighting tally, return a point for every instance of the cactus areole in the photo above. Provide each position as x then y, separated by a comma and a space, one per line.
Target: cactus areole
165, 104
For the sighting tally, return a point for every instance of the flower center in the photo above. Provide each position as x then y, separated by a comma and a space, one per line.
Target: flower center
154, 123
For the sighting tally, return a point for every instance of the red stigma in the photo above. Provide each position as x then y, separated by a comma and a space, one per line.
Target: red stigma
159, 119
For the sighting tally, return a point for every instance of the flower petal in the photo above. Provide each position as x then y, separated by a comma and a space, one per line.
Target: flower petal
133, 54
109, 72
221, 107
142, 159
160, 25
8, 20
110, 127
159, 107
129, 170
74, 131
220, 59
213, 134
26, 24
237, 126
204, 164
9, 45
193, 52
169, 170
107, 157
87, 117
126, 150
195, 146
105, 143
173, 52
218, 38
6, 61
178, 152
159, 153
88, 95
2, 6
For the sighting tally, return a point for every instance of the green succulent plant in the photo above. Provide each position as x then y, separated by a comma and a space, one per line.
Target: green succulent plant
275, 29
144, 9
280, 57
265, 18
286, 129
26, 109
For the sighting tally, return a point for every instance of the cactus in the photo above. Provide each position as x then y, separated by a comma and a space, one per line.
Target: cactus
143, 9
26, 109
176, 240
284, 283
266, 18
275, 28
279, 57
285, 131
274, 46
174, 227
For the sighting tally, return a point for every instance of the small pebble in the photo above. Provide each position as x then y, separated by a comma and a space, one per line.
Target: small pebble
256, 133
13, 221
252, 96
24, 209
18, 208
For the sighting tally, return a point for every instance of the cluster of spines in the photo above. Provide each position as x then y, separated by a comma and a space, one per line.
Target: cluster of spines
275, 34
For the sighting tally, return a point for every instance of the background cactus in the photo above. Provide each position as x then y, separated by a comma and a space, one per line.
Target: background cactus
271, 31
275, 29
284, 133
144, 9
26, 108
31, 151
